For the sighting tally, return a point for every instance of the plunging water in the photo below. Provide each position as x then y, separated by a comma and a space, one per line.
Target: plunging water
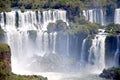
97, 51
95, 16
27, 34
116, 56
117, 16
82, 58
34, 49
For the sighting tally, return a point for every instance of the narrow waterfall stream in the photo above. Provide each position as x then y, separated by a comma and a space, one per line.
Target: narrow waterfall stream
117, 55
82, 58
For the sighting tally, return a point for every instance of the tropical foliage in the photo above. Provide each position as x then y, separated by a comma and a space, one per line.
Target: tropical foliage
5, 5
113, 28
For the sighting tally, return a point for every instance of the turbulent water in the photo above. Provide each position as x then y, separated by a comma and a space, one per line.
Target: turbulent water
27, 36
97, 50
34, 49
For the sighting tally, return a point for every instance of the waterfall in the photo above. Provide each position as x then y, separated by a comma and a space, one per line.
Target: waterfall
2, 19
52, 17
117, 21
27, 34
10, 21
97, 51
82, 57
117, 16
54, 42
68, 45
116, 56
27, 20
94, 16
28, 37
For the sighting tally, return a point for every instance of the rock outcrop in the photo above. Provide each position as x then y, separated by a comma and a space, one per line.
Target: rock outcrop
112, 73
5, 60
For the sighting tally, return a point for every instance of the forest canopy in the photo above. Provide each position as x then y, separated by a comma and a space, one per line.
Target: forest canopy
6, 5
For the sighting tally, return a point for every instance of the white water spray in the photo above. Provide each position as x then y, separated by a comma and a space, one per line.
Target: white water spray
30, 36
97, 51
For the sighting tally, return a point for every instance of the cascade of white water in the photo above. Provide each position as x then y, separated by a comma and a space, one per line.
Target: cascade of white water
52, 16
82, 56
97, 51
117, 16
19, 46
39, 42
10, 21
2, 23
21, 43
45, 43
116, 56
95, 16
27, 21
54, 42
30, 24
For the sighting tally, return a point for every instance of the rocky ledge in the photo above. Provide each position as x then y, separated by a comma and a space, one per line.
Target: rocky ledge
111, 73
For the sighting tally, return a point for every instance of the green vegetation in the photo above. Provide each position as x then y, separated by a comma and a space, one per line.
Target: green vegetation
35, 4
87, 28
70, 5
113, 29
111, 73
4, 75
4, 48
5, 5
79, 26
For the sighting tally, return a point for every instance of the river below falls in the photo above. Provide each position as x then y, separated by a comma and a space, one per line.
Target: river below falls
85, 75
71, 76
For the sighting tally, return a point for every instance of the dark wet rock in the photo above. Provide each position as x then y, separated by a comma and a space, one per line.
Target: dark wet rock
112, 73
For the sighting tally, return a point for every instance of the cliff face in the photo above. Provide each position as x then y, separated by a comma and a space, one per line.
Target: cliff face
5, 63
5, 60
112, 51
112, 74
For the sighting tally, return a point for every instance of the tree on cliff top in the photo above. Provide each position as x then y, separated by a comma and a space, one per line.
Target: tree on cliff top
5, 5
